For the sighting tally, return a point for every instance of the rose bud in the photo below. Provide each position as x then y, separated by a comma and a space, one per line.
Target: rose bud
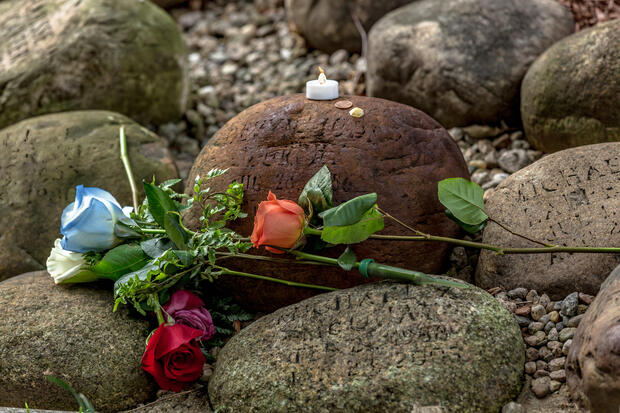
186, 308
89, 223
173, 357
68, 266
278, 223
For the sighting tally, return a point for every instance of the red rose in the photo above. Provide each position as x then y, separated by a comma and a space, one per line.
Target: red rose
173, 357
278, 223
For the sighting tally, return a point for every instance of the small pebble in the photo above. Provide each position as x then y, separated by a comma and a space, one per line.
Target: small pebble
555, 347
531, 354
566, 347
356, 112
549, 307
541, 365
544, 300
557, 364
530, 367
570, 305
559, 326
518, 293
554, 316
550, 325
582, 308
544, 319
537, 339
532, 297
343, 104
553, 335
523, 321
567, 333
541, 373
524, 310
537, 312
540, 387
557, 306
535, 327
574, 321
558, 375
554, 385
545, 354
586, 298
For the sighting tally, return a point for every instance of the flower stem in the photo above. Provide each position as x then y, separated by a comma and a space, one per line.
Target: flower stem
276, 280
127, 165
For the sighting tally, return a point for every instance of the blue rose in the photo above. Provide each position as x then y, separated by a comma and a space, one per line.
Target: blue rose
89, 223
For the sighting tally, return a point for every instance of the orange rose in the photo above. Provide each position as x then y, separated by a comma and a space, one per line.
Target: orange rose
278, 223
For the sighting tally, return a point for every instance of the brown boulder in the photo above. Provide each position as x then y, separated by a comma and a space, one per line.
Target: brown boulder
570, 197
593, 363
394, 150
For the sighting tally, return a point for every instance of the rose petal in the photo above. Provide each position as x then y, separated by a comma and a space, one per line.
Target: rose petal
182, 300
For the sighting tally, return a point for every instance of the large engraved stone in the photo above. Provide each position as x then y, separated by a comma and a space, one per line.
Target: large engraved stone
462, 61
571, 94
593, 363
572, 198
59, 55
69, 332
383, 347
329, 25
394, 150
43, 159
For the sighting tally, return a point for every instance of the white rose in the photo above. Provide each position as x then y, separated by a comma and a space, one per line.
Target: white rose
68, 266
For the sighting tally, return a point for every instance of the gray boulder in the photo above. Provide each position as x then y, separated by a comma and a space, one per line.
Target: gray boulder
571, 94
58, 55
43, 159
70, 333
571, 197
375, 348
328, 25
462, 61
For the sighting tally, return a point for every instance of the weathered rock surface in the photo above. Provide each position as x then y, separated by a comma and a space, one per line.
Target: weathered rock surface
375, 348
571, 94
58, 55
462, 61
70, 333
570, 197
394, 150
329, 25
43, 159
593, 364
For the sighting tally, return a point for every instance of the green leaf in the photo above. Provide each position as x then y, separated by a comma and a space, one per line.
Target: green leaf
160, 203
140, 274
347, 260
464, 199
155, 247
121, 260
186, 257
317, 193
83, 403
471, 229
371, 222
175, 230
349, 212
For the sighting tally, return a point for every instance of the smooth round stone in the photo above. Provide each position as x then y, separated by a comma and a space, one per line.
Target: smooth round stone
462, 61
593, 366
541, 386
530, 367
567, 333
537, 312
43, 159
69, 332
571, 94
360, 350
279, 144
58, 55
567, 198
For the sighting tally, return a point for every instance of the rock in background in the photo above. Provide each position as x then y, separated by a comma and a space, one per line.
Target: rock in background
571, 197
462, 61
70, 333
43, 159
329, 25
394, 150
593, 365
124, 56
571, 94
375, 348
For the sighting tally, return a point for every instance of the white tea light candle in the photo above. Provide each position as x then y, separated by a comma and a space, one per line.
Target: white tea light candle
322, 89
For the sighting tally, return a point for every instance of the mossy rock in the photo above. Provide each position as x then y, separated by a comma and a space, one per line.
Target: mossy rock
375, 348
57, 55
43, 159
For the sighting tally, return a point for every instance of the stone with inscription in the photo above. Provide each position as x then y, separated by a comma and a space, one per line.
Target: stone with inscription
43, 159
593, 362
69, 332
383, 347
394, 150
60, 55
462, 61
571, 197
571, 94
329, 25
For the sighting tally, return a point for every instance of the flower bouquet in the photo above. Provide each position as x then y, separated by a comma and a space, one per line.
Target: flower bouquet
155, 261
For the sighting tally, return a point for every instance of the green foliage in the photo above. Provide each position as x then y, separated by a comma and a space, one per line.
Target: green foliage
218, 207
120, 260
369, 223
84, 404
316, 196
347, 259
463, 199
224, 311
470, 229
350, 212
